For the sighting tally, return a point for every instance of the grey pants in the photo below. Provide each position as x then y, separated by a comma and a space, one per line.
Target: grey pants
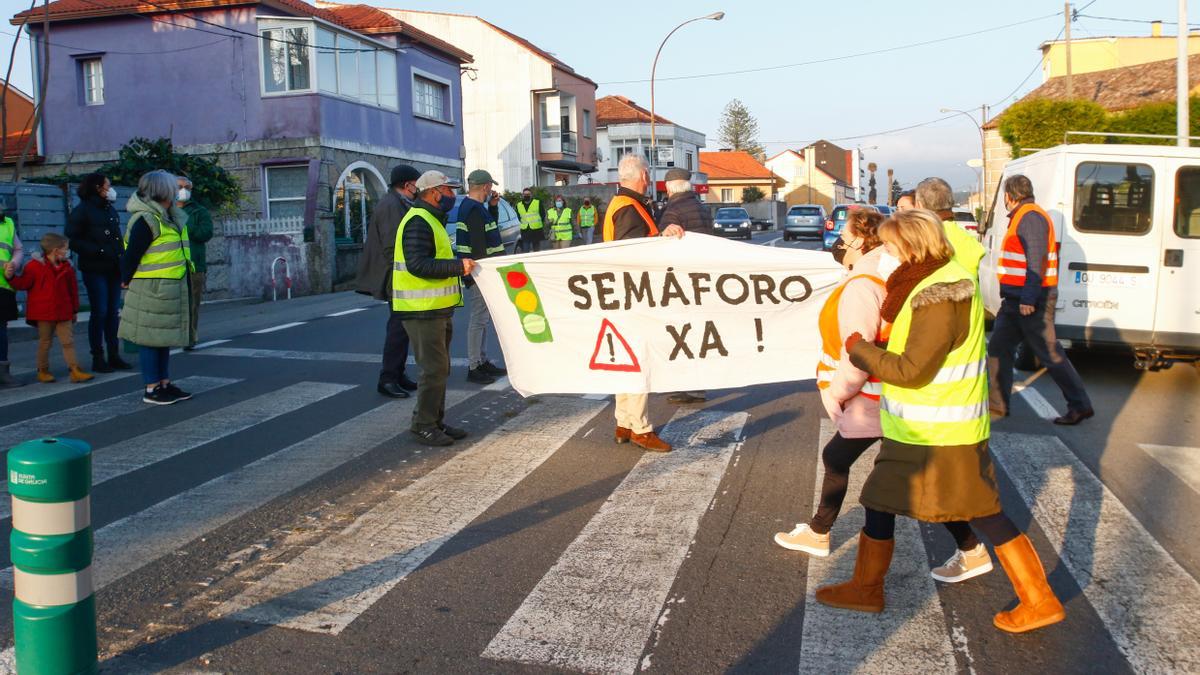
477, 327
429, 340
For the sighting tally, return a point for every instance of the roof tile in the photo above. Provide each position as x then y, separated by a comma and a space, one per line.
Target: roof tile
620, 110
732, 164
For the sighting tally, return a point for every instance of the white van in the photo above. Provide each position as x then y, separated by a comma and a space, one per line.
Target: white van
1128, 217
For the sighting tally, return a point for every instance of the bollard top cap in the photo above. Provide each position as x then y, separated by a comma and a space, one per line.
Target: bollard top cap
50, 470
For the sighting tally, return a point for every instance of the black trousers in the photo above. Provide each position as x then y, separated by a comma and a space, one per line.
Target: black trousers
1036, 330
395, 351
997, 528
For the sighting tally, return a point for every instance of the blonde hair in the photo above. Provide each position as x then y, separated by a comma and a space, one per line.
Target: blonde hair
917, 235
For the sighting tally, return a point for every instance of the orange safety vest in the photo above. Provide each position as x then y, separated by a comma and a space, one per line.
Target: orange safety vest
1011, 267
832, 342
617, 204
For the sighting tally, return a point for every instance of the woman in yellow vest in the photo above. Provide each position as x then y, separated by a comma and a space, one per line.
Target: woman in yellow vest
155, 269
934, 464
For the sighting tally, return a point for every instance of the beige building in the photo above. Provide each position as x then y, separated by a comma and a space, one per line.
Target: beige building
1091, 54
731, 172
807, 180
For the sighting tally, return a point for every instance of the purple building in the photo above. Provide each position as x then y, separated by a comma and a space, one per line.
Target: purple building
309, 108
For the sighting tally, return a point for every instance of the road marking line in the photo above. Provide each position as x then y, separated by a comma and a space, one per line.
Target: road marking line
772, 242
910, 635
211, 343
283, 326
35, 390
109, 462
63, 421
1041, 407
500, 384
126, 545
596, 397
596, 608
348, 311
328, 586
348, 357
1181, 461
1146, 600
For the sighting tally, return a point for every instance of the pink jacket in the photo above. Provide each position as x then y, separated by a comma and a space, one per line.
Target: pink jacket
858, 312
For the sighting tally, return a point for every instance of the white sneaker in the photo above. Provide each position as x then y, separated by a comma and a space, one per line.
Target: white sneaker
964, 565
804, 539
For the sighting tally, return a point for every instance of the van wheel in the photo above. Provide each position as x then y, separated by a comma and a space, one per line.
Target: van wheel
1025, 359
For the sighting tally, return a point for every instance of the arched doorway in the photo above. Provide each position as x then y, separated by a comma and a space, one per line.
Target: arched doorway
356, 192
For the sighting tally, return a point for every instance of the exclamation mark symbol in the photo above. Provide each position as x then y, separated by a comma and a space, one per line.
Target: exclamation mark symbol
612, 353
758, 333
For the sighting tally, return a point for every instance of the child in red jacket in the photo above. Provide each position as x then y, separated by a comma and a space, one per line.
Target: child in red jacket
52, 303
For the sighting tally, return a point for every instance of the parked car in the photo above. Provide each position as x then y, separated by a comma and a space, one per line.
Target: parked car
733, 222
804, 220
886, 210
966, 220
509, 223
836, 221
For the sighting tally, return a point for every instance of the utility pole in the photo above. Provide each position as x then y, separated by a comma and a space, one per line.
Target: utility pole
1067, 32
983, 171
1181, 79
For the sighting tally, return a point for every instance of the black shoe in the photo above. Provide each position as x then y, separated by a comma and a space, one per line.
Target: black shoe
99, 365
686, 397
189, 348
116, 363
492, 369
477, 376
407, 384
159, 396
391, 390
453, 432
433, 436
1074, 417
179, 394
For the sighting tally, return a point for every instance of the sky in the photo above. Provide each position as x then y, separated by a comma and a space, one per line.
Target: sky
843, 98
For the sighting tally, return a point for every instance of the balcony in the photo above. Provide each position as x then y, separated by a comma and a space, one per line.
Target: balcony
554, 141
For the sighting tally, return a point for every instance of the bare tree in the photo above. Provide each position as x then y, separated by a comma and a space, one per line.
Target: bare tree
4, 94
45, 79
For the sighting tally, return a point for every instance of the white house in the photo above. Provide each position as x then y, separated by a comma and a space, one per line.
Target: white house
623, 126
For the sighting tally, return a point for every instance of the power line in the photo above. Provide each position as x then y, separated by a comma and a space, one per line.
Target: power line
842, 57
21, 36
1127, 20
1036, 67
855, 137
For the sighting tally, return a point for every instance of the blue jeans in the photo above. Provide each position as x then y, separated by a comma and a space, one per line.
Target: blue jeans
104, 295
154, 364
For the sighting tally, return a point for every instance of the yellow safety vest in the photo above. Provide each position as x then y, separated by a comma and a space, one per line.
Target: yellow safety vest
953, 408
411, 293
587, 216
967, 249
170, 253
8, 235
531, 216
560, 222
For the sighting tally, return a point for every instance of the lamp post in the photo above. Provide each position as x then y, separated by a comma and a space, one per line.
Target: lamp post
715, 16
982, 140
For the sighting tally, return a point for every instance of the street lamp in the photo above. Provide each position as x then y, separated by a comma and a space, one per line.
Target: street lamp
715, 16
982, 140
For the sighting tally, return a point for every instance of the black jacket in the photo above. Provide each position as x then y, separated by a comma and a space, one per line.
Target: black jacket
687, 211
94, 229
628, 223
419, 256
379, 248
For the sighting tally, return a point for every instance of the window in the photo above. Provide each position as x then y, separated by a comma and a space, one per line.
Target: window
1112, 198
1187, 199
431, 98
587, 123
386, 70
327, 74
93, 81
726, 194
688, 159
285, 59
287, 189
347, 59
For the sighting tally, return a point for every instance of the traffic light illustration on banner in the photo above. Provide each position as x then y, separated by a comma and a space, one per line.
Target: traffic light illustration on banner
523, 294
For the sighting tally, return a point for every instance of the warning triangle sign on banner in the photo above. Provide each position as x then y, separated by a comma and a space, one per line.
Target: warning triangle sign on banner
612, 351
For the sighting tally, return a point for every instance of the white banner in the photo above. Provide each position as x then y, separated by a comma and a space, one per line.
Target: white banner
657, 315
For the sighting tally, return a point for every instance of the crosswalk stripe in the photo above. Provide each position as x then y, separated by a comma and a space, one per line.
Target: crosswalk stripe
291, 354
596, 608
328, 586
111, 461
63, 421
35, 390
909, 640
138, 539
282, 326
344, 312
1183, 462
1146, 600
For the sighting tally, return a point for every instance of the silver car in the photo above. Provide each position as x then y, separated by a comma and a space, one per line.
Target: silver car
804, 220
509, 223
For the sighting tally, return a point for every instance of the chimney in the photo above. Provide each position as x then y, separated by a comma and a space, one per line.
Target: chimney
1156, 29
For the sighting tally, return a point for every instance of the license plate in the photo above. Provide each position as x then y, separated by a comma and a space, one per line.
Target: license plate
1110, 279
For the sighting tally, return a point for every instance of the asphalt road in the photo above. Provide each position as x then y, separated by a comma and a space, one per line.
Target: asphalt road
282, 521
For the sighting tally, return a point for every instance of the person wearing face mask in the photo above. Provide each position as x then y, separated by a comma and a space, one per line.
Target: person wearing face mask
586, 220
562, 228
935, 194
94, 230
375, 276
11, 256
477, 236
200, 231
532, 222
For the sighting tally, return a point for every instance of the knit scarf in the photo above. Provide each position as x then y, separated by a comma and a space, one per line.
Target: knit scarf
902, 282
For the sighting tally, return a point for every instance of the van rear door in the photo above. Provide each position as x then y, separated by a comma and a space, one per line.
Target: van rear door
1108, 265
1177, 319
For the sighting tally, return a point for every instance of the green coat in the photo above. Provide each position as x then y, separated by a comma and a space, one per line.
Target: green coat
156, 311
200, 230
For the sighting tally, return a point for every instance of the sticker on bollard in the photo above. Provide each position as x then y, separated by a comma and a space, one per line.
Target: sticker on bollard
54, 606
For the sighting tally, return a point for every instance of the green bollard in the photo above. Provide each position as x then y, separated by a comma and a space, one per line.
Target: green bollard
54, 610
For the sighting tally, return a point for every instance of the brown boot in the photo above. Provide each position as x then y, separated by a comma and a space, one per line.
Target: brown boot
650, 441
44, 376
622, 435
1037, 605
864, 591
78, 375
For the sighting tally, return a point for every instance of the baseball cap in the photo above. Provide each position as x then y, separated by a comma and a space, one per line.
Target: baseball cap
403, 173
432, 179
677, 174
479, 177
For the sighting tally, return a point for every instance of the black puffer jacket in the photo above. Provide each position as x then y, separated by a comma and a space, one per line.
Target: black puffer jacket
687, 211
94, 229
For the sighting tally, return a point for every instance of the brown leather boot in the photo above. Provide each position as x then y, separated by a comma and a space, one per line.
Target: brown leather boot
1037, 606
864, 591
650, 441
622, 435
78, 375
44, 376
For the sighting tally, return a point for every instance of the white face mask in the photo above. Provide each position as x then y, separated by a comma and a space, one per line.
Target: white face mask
184, 194
558, 204
887, 264
111, 195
